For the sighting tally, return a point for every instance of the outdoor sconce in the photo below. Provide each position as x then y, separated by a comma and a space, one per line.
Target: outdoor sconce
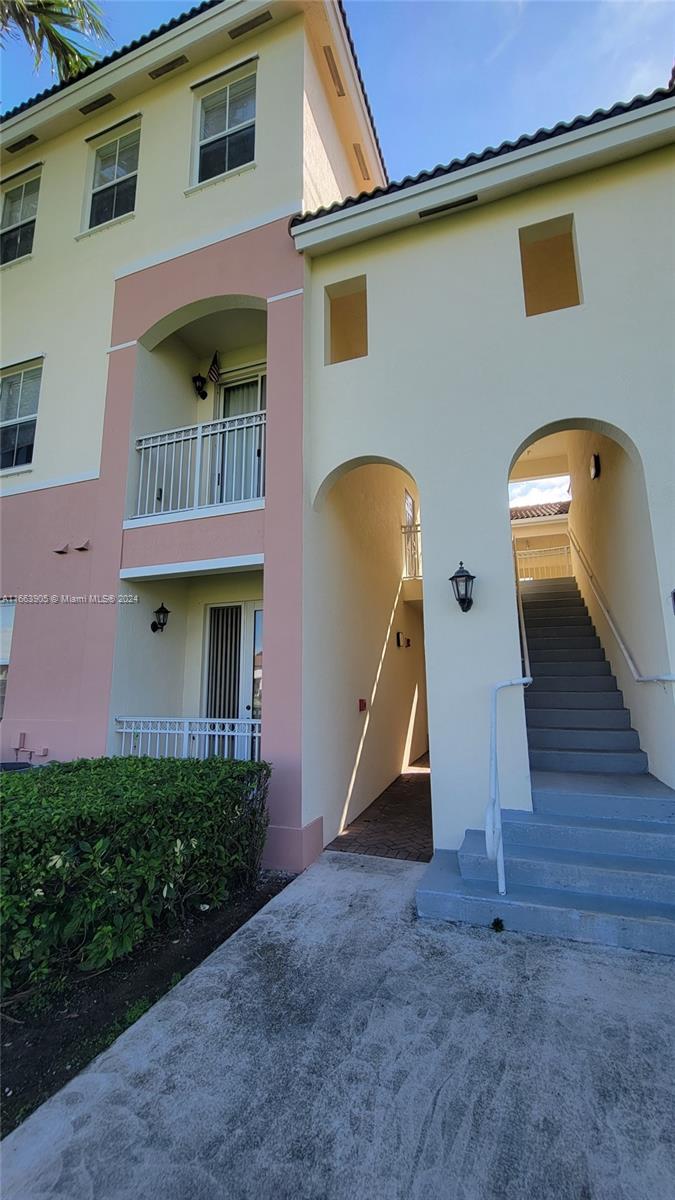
161, 618
462, 586
200, 386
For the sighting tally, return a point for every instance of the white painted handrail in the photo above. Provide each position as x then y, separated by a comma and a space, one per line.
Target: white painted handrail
189, 737
494, 845
602, 601
412, 552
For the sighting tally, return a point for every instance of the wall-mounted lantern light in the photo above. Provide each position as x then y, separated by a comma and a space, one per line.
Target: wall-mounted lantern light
200, 386
462, 586
161, 618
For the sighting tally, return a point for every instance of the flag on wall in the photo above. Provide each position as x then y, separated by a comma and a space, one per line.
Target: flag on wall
214, 369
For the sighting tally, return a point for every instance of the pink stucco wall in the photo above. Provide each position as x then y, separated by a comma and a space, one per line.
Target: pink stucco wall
62, 654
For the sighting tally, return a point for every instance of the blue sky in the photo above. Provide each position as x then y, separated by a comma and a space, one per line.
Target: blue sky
446, 77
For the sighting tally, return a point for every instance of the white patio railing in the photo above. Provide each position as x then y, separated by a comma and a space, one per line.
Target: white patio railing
552, 563
188, 737
412, 552
216, 462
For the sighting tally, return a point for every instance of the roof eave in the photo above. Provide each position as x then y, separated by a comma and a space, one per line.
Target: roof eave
618, 138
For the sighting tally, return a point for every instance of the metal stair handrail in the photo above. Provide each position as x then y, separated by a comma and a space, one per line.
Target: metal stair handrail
602, 601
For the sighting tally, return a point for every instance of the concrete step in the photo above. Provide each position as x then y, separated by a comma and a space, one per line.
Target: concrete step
551, 640
547, 604
639, 839
570, 683
576, 738
609, 796
623, 762
578, 718
602, 920
578, 667
583, 654
621, 876
562, 584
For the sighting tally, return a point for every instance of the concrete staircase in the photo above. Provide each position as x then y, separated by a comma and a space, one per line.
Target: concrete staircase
595, 860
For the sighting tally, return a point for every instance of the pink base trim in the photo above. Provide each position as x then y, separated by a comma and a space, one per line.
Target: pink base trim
290, 849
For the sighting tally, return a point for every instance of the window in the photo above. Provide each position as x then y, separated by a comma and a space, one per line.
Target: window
7, 610
227, 129
19, 208
346, 334
19, 395
549, 265
113, 192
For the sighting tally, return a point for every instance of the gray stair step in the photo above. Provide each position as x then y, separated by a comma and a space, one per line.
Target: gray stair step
639, 839
562, 583
579, 667
573, 738
538, 641
569, 622
536, 696
626, 762
583, 654
577, 718
570, 683
609, 796
545, 606
602, 920
621, 876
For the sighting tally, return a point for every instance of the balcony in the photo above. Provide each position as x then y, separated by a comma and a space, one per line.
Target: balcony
188, 737
412, 552
201, 467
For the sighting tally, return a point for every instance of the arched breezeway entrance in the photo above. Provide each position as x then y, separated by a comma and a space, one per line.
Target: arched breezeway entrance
365, 724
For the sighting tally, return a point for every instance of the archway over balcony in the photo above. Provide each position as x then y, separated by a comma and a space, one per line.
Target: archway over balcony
601, 540
365, 736
199, 411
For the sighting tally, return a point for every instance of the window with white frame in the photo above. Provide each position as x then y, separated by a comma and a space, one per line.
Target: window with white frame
7, 610
19, 210
113, 192
227, 129
19, 396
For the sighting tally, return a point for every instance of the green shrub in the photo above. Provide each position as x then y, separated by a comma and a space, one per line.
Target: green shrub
97, 852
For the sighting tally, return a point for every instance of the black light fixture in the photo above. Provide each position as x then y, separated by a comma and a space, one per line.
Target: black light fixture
200, 386
161, 618
462, 586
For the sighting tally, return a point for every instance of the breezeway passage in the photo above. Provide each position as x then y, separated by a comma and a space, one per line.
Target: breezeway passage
338, 1048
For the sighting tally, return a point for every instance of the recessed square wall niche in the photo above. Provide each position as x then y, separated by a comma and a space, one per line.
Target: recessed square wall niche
549, 264
346, 320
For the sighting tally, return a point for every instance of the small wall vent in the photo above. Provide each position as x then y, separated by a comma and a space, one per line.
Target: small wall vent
249, 26
361, 160
168, 66
22, 143
334, 73
93, 105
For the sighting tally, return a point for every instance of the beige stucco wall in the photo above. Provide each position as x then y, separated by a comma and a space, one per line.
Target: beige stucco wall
456, 380
610, 518
354, 549
58, 303
327, 170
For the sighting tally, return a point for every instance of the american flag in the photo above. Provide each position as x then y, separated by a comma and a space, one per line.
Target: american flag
214, 369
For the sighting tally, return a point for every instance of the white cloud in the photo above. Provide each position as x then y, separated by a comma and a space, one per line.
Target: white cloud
539, 491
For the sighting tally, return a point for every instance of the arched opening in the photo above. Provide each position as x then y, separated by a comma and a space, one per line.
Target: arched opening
366, 761
593, 612
199, 412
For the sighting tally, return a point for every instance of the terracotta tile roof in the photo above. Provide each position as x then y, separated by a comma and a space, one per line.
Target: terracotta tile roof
458, 164
526, 512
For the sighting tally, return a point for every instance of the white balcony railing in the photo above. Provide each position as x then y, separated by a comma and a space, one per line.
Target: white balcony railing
552, 563
412, 552
188, 737
216, 462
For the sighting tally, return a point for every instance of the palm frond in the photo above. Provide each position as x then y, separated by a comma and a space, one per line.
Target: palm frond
49, 25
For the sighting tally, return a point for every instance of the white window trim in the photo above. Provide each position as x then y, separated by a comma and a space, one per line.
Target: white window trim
203, 93
20, 369
11, 186
93, 146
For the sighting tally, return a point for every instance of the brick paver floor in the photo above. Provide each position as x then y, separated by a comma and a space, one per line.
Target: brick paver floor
398, 823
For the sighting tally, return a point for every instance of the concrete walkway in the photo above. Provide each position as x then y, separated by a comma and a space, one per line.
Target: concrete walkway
337, 1049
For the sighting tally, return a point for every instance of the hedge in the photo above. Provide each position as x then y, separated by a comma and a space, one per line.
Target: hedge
98, 852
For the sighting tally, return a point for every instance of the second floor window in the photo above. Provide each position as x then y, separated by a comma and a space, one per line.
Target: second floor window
227, 129
19, 210
113, 192
19, 396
